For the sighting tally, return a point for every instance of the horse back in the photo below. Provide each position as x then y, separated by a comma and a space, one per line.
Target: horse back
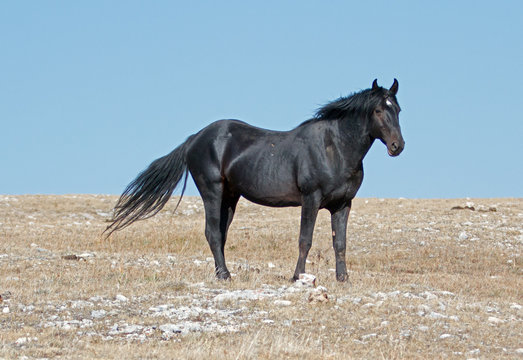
256, 163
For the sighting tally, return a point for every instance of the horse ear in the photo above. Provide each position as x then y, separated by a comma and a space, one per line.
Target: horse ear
375, 84
394, 87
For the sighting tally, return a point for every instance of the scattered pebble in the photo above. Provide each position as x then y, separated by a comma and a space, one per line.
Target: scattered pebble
318, 295
121, 298
25, 340
495, 320
463, 235
368, 336
98, 314
282, 302
307, 280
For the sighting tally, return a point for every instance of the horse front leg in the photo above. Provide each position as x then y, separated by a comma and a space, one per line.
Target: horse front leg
339, 219
309, 212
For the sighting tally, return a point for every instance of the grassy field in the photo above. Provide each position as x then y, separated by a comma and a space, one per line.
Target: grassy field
428, 279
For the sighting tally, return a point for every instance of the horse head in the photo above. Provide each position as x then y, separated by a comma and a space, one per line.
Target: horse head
385, 118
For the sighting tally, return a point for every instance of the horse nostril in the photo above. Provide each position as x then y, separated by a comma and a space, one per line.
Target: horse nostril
394, 146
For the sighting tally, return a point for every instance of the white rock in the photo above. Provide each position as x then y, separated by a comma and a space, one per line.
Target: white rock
192, 326
24, 308
379, 295
271, 265
308, 280
516, 306
423, 310
171, 328
130, 329
442, 306
405, 333
435, 315
495, 320
5, 310
463, 235
393, 293
318, 294
79, 304
282, 302
321, 289
236, 295
97, 314
519, 351
446, 336
428, 295
121, 298
409, 295
24, 340
368, 336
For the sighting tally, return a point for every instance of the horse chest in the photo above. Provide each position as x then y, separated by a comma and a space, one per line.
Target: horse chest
354, 183
345, 185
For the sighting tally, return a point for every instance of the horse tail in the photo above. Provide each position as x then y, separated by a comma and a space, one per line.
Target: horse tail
146, 195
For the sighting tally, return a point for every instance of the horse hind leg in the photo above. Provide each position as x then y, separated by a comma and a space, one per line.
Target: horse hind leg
219, 212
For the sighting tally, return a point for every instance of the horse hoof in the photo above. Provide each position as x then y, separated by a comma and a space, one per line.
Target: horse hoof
342, 277
222, 275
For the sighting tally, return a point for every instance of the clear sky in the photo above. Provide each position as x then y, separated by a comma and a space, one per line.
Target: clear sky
92, 91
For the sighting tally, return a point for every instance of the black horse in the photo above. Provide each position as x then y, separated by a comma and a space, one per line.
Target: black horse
315, 165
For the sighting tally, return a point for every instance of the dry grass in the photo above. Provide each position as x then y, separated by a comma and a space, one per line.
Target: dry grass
426, 282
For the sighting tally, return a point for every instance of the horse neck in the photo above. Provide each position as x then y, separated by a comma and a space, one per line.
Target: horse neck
354, 136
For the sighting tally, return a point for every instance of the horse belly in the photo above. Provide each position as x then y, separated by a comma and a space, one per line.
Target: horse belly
272, 198
267, 184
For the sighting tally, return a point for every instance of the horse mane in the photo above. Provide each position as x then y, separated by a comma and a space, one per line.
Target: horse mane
360, 103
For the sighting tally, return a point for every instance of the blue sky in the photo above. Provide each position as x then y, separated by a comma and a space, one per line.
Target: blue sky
92, 91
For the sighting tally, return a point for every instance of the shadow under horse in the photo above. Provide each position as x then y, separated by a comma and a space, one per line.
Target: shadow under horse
318, 164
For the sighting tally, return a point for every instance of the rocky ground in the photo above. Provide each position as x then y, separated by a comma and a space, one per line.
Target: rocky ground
428, 278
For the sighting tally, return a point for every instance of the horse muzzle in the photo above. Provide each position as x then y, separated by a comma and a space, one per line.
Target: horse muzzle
395, 148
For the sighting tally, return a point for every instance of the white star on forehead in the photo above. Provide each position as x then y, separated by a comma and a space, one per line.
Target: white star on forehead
388, 102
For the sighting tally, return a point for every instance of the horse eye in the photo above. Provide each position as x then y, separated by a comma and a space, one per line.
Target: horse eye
378, 111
